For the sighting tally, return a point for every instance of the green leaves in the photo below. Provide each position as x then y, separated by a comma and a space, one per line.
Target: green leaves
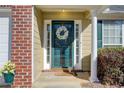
0, 73
9, 67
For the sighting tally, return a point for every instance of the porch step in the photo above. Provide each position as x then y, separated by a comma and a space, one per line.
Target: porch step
57, 70
61, 71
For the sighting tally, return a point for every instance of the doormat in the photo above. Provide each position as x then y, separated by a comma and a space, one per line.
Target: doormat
62, 74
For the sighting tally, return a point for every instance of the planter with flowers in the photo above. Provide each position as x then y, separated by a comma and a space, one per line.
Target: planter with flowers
8, 72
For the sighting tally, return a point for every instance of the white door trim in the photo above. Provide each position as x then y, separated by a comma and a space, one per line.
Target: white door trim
77, 65
46, 65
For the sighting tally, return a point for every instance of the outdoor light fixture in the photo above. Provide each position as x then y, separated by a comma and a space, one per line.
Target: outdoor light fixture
63, 10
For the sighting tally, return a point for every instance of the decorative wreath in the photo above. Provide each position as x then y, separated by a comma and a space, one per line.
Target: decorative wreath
62, 33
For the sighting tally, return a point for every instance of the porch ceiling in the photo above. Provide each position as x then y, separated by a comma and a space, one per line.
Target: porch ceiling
68, 8
114, 9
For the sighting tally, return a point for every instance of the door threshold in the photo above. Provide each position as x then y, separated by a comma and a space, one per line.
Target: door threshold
65, 70
57, 70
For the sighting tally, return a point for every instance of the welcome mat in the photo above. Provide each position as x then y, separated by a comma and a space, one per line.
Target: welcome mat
62, 74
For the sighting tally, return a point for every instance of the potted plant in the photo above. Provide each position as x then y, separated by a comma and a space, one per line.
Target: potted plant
8, 71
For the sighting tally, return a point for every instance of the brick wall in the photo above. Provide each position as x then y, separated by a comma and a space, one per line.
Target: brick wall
21, 44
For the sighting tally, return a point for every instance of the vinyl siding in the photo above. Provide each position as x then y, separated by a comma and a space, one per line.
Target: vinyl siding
111, 16
86, 45
38, 43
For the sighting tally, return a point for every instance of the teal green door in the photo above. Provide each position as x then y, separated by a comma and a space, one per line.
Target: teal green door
62, 44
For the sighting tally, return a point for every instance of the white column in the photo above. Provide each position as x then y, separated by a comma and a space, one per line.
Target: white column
93, 77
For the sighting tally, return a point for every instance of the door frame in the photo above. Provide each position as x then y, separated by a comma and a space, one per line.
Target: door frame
48, 66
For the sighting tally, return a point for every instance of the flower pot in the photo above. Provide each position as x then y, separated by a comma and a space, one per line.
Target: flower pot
8, 77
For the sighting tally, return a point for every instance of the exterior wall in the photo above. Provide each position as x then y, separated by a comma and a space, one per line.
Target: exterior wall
38, 43
87, 35
111, 16
21, 44
86, 31
86, 47
63, 15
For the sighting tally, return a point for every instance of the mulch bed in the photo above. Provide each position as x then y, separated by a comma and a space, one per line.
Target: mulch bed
5, 86
98, 85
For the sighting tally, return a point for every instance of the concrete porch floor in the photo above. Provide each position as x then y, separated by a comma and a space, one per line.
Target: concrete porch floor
51, 80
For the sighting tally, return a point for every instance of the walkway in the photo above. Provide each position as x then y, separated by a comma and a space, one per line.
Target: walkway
60, 80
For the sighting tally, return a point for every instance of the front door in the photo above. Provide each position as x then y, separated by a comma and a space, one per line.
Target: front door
62, 44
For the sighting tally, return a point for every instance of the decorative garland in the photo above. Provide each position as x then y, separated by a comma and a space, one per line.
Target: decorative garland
60, 30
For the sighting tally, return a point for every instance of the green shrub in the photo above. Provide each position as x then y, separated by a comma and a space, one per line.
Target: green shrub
111, 66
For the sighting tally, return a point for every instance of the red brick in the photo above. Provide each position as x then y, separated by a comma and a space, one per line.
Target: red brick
29, 77
23, 67
16, 28
19, 19
18, 83
25, 80
16, 16
19, 25
24, 23
27, 83
20, 6
21, 50
23, 28
24, 9
28, 7
18, 70
27, 25
18, 77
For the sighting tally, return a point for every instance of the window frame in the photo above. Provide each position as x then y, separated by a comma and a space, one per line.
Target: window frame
6, 13
122, 36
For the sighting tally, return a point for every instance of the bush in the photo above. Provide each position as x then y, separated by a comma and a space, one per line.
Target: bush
111, 66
